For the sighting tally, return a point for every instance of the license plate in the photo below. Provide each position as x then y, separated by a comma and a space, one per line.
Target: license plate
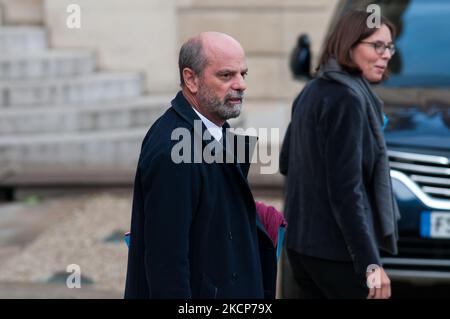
435, 224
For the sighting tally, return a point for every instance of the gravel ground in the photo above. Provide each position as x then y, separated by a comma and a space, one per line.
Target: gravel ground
39, 240
78, 239
73, 230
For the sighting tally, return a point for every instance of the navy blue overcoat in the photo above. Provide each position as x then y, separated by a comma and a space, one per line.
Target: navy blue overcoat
194, 228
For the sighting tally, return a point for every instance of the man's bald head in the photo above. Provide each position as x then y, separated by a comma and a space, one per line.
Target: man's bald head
219, 42
212, 73
197, 52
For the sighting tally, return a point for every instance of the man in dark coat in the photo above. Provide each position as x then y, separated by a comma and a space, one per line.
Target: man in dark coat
194, 228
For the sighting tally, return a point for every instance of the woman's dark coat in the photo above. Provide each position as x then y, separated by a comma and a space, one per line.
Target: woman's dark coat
328, 155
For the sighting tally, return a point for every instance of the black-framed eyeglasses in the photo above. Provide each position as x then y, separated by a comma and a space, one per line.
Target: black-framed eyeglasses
380, 47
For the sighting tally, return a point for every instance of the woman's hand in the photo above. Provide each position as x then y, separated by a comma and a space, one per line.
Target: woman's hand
379, 284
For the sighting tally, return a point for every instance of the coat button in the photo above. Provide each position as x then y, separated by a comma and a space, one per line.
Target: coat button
230, 236
234, 276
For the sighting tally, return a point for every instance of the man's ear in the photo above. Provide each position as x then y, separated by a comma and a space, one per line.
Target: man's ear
190, 80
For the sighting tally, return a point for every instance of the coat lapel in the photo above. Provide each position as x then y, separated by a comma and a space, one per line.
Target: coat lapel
241, 164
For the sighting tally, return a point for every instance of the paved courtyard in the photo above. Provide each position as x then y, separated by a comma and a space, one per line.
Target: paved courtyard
40, 237
38, 240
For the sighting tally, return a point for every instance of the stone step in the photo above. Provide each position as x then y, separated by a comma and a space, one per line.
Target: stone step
104, 86
111, 149
138, 112
105, 149
46, 64
20, 39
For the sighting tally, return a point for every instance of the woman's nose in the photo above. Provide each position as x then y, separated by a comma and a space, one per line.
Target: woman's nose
387, 54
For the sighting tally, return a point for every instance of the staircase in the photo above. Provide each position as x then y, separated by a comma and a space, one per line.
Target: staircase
61, 120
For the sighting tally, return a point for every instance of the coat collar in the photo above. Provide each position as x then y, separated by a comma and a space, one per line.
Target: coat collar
181, 105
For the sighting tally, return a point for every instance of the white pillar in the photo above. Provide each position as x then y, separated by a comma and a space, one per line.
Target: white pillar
20, 12
126, 35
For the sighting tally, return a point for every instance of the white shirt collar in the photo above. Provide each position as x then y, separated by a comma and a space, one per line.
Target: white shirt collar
216, 131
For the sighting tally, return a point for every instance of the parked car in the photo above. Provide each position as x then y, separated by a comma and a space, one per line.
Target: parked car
417, 102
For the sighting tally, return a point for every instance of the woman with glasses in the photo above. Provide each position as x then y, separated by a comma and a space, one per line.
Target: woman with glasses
339, 202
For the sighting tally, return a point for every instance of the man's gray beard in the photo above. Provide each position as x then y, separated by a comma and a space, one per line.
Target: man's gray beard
223, 110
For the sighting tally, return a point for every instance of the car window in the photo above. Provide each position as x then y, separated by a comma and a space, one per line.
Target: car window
424, 44
423, 41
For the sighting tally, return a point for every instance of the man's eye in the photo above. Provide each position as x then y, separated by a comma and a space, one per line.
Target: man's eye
244, 75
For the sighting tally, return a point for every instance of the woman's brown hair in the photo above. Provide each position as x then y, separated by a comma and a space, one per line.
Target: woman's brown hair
351, 29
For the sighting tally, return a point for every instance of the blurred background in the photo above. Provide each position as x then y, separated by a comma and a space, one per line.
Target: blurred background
75, 104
